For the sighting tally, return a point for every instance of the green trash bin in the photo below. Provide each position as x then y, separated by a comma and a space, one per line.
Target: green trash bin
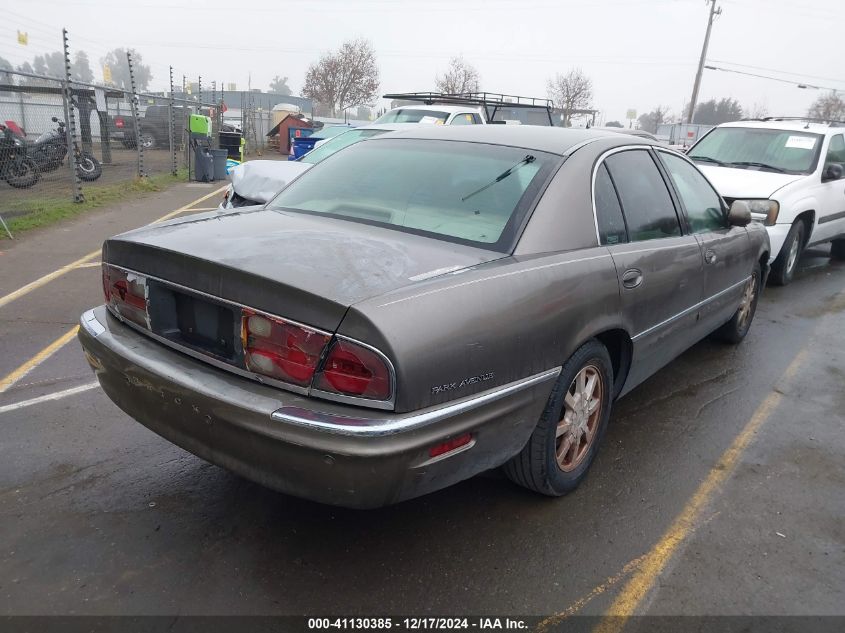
199, 125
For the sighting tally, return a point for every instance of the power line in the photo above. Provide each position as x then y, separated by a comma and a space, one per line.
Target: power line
775, 70
786, 81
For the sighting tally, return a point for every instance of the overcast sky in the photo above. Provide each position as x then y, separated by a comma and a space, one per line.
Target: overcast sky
639, 53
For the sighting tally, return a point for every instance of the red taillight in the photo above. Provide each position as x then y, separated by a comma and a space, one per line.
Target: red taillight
127, 294
450, 445
354, 370
279, 349
118, 122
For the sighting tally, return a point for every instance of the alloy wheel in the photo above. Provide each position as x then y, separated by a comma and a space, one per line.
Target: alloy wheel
582, 411
793, 255
747, 302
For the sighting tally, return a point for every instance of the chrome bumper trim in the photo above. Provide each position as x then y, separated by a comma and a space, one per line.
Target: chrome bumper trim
91, 324
375, 427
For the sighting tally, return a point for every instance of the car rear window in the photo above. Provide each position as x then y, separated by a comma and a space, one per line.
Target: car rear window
465, 192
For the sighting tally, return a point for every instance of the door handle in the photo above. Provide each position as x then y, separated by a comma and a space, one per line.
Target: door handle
710, 256
632, 278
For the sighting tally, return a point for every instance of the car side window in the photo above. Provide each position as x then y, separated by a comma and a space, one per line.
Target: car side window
464, 118
646, 204
836, 151
611, 223
702, 203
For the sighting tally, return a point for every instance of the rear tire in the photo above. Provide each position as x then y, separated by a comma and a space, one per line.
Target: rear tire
23, 174
563, 445
735, 330
783, 268
147, 140
837, 249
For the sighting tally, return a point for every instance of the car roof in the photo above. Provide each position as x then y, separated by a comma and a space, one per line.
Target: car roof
627, 130
555, 140
791, 126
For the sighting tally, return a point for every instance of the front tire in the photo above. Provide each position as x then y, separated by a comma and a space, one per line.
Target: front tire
88, 168
783, 268
735, 330
837, 249
563, 445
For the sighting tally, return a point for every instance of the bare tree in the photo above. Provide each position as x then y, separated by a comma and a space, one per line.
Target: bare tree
346, 78
756, 111
651, 120
829, 107
460, 77
569, 92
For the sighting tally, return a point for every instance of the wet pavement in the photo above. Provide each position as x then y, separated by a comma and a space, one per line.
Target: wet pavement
98, 515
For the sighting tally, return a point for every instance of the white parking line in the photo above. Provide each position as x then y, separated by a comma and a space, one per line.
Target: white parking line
50, 396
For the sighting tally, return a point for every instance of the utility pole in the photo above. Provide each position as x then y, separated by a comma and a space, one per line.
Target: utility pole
713, 13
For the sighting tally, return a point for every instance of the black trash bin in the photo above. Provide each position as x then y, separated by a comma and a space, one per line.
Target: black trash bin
219, 156
203, 164
231, 142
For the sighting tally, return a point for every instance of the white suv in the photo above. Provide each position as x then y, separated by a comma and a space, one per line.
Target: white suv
790, 171
437, 114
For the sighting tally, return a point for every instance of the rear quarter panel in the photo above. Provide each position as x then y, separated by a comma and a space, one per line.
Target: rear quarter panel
489, 325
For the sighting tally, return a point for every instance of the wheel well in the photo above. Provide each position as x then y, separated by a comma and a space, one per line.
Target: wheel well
620, 349
808, 218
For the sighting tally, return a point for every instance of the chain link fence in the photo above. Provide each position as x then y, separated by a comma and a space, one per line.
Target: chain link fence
64, 141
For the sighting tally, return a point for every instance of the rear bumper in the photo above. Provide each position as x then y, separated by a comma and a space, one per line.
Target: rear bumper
335, 454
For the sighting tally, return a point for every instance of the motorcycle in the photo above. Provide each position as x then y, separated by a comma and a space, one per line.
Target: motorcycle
16, 168
50, 149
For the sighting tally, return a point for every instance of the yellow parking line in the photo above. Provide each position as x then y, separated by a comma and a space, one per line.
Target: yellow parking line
41, 281
655, 561
188, 206
598, 590
11, 378
34, 285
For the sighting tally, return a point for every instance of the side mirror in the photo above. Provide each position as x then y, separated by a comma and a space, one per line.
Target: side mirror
832, 171
739, 213
54, 120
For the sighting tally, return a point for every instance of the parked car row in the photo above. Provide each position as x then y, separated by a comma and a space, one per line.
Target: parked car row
421, 304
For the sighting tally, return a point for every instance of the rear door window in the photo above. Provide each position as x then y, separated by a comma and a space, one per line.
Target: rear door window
646, 203
609, 219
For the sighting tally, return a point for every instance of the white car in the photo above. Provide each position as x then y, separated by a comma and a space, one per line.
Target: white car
790, 171
438, 114
256, 182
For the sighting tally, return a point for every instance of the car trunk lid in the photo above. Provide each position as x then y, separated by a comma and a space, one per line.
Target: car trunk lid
301, 267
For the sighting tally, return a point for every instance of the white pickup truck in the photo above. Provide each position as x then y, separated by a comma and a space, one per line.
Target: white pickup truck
792, 174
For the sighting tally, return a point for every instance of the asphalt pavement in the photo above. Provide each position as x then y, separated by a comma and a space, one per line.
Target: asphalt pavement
719, 490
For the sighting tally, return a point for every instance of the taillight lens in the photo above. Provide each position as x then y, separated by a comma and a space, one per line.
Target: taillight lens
118, 122
354, 370
126, 293
279, 349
